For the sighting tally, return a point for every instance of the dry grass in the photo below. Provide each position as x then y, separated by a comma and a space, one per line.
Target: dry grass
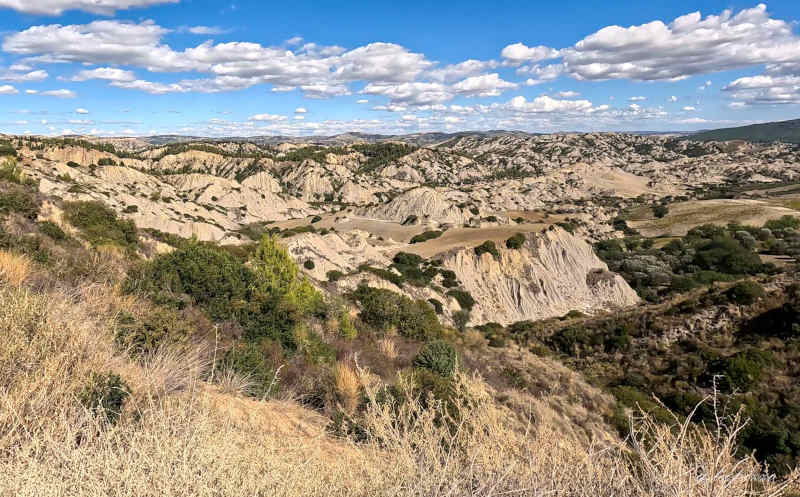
347, 385
387, 348
178, 436
14, 269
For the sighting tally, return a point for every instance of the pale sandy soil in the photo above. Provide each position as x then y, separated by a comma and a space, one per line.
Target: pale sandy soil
684, 216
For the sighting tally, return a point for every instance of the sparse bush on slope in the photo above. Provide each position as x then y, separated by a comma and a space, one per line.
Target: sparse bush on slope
100, 224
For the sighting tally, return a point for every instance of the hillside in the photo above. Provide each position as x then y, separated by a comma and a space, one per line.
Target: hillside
784, 131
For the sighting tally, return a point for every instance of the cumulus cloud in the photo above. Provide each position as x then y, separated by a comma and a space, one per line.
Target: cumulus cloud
689, 108
689, 45
268, 117
58, 7
31, 92
485, 85
765, 90
81, 110
18, 77
362, 101
416, 93
548, 104
8, 90
568, 94
59, 93
519, 53
541, 74
456, 72
637, 99
300, 110
106, 73
205, 30
673, 98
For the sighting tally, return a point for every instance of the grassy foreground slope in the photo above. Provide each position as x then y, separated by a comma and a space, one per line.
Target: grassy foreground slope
128, 372
783, 131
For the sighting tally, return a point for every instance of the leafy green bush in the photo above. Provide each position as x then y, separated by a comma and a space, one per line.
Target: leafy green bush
437, 306
424, 237
156, 327
100, 224
660, 210
316, 219
439, 357
309, 264
106, 161
784, 222
745, 292
19, 200
346, 327
105, 395
7, 149
52, 230
334, 275
12, 173
385, 309
460, 319
256, 361
487, 247
516, 241
130, 209
463, 298
73, 164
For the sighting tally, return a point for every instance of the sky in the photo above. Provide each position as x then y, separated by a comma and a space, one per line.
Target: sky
254, 67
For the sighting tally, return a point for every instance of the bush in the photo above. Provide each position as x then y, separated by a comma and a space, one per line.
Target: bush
460, 319
100, 224
438, 357
155, 328
309, 264
7, 149
424, 237
130, 209
256, 361
784, 222
105, 395
19, 200
106, 161
386, 309
487, 247
52, 230
346, 327
463, 298
660, 210
437, 306
516, 241
334, 275
73, 164
745, 293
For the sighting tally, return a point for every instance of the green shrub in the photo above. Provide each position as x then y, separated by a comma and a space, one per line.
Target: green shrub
745, 293
19, 200
106, 161
309, 264
12, 173
316, 219
660, 210
105, 395
463, 298
73, 164
439, 357
784, 222
385, 309
346, 327
487, 247
424, 237
256, 361
130, 209
460, 319
437, 306
334, 275
100, 224
156, 327
516, 241
52, 230
7, 149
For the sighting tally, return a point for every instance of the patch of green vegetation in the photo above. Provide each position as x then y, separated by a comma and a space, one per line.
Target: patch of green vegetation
463, 298
52, 230
380, 154
334, 275
439, 357
516, 242
424, 237
487, 247
20, 200
155, 328
105, 395
100, 224
385, 310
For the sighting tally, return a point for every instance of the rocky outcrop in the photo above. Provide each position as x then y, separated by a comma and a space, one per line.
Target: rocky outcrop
551, 274
423, 204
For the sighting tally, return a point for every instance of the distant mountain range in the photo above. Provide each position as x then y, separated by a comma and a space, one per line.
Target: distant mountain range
783, 131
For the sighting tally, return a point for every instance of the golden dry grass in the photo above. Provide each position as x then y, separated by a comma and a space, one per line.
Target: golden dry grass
14, 269
387, 347
179, 436
347, 385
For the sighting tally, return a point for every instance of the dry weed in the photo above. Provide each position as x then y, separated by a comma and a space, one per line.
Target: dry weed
14, 269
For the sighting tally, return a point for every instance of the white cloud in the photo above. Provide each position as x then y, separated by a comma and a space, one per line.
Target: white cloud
548, 104
637, 99
541, 74
765, 90
268, 117
362, 101
57, 7
381, 62
519, 53
59, 93
106, 73
416, 93
634, 107
8, 90
568, 94
300, 110
81, 110
689, 108
455, 72
17, 77
205, 30
31, 92
299, 118
673, 98
296, 40
687, 46
485, 85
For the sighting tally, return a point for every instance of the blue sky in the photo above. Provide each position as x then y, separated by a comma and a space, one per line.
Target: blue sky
248, 67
